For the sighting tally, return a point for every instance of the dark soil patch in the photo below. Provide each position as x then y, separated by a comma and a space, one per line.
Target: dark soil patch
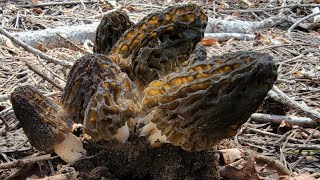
270, 106
137, 160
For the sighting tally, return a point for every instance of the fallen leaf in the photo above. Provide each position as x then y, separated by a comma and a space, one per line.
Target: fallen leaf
284, 127
302, 176
247, 171
230, 155
41, 47
37, 10
209, 41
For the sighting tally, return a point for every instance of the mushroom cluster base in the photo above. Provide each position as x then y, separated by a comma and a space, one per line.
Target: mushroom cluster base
136, 159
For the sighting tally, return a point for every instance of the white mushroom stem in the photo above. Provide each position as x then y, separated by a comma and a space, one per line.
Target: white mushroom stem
122, 134
150, 129
153, 133
71, 149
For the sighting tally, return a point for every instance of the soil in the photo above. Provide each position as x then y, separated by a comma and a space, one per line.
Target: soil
138, 160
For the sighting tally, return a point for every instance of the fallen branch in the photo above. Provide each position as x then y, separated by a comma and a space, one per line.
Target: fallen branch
22, 162
240, 30
50, 39
280, 96
245, 27
34, 51
292, 120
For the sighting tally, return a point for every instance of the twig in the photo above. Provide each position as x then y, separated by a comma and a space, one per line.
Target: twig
44, 77
278, 95
7, 127
7, 96
227, 36
281, 45
268, 9
245, 27
33, 50
22, 162
83, 5
273, 134
300, 150
282, 156
274, 162
299, 21
73, 44
56, 4
293, 120
50, 70
147, 5
102, 14
304, 147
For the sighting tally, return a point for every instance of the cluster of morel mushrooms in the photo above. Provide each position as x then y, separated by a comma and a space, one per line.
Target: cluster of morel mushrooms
151, 78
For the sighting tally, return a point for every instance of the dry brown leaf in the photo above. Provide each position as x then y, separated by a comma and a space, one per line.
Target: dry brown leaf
284, 127
208, 41
230, 155
41, 47
302, 176
262, 38
37, 10
245, 172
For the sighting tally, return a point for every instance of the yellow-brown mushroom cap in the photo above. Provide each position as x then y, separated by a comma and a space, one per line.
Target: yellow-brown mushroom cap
209, 100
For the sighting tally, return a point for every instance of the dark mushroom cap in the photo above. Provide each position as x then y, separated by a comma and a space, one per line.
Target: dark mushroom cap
44, 122
110, 29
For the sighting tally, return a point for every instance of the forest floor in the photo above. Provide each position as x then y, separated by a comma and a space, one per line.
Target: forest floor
275, 148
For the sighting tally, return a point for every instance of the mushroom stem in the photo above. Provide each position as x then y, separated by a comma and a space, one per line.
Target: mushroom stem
122, 134
71, 149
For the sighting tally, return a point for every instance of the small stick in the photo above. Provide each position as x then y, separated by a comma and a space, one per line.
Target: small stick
304, 147
83, 5
6, 124
292, 120
73, 44
56, 4
44, 77
7, 96
227, 36
34, 51
280, 45
278, 95
300, 150
102, 14
273, 134
275, 162
22, 162
300, 20
48, 69
267, 9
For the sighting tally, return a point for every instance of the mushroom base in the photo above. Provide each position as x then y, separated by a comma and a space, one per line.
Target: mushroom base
70, 150
136, 159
